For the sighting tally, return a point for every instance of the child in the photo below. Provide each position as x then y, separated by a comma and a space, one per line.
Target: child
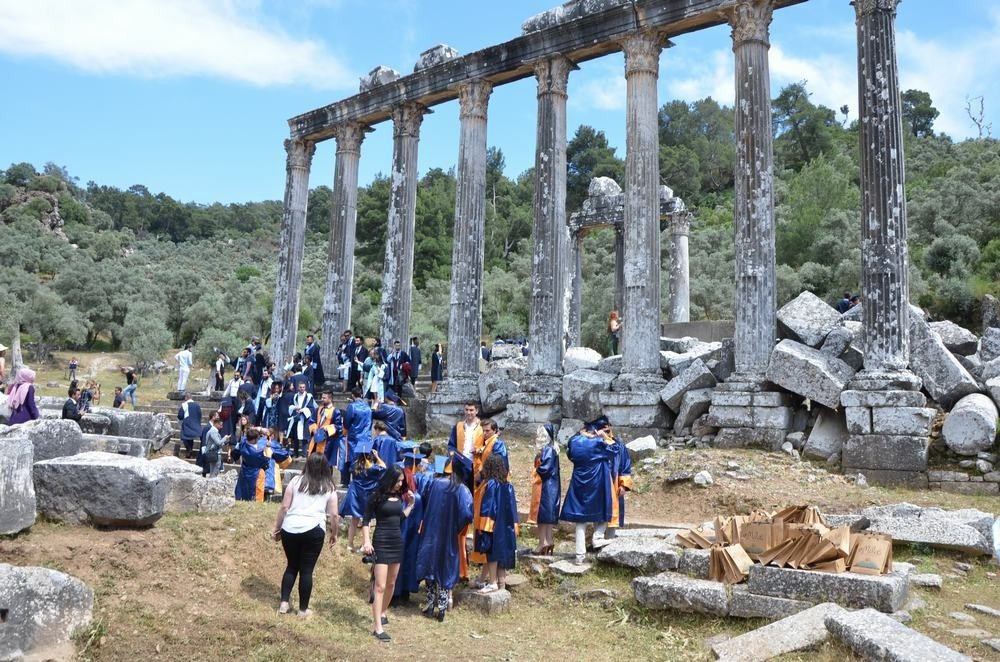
366, 472
545, 490
498, 529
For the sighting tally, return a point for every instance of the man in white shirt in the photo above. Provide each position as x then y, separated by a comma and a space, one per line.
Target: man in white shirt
184, 361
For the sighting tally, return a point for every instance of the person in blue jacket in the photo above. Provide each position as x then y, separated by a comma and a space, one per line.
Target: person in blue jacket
393, 416
589, 497
189, 414
358, 426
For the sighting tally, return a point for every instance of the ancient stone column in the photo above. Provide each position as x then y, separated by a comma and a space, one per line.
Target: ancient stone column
545, 330
285, 315
884, 279
398, 271
619, 269
466, 311
679, 306
343, 223
576, 286
641, 309
756, 315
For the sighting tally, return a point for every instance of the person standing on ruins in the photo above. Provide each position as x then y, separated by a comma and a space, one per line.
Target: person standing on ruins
184, 361
189, 414
312, 353
614, 332
437, 367
588, 499
415, 359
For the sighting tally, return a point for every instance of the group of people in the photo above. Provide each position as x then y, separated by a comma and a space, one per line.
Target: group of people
379, 371
847, 302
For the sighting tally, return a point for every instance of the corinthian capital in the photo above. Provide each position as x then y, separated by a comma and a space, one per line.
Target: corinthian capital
473, 97
407, 118
642, 52
680, 223
750, 20
300, 153
349, 136
553, 75
869, 7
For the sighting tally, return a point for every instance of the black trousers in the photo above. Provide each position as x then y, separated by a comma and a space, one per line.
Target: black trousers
302, 551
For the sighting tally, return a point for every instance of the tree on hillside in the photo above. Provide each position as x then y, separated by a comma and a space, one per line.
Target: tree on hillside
145, 334
918, 112
697, 147
588, 155
802, 129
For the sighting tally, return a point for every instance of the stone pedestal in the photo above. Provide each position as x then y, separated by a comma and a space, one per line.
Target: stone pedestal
446, 405
488, 604
749, 415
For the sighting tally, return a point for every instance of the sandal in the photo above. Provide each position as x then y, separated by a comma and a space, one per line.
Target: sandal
381, 636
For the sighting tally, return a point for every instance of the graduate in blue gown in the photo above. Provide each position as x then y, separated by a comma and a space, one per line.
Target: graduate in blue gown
545, 490
385, 444
367, 470
447, 513
408, 581
621, 481
358, 427
257, 454
590, 494
393, 416
497, 530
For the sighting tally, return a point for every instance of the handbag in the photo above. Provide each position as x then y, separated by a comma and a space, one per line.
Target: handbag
483, 542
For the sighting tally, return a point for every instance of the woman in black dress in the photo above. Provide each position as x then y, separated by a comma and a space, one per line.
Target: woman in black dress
388, 505
437, 372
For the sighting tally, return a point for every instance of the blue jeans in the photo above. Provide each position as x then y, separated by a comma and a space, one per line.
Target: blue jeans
129, 392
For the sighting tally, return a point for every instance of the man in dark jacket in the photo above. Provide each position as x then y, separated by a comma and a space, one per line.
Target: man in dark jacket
189, 414
71, 408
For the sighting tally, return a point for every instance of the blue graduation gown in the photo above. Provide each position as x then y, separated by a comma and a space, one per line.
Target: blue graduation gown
252, 463
312, 351
621, 479
358, 421
447, 511
546, 488
408, 581
589, 496
386, 448
498, 519
394, 418
363, 483
190, 424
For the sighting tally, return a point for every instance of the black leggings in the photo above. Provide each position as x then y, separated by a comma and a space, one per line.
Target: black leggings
302, 551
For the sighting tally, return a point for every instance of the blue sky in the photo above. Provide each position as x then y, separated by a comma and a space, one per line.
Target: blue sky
191, 97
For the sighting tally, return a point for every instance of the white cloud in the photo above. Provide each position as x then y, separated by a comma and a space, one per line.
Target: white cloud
831, 79
153, 39
709, 76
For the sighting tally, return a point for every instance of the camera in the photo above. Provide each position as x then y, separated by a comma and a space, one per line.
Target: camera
368, 558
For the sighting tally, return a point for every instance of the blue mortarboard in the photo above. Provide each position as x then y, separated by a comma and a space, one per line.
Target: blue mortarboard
406, 444
598, 423
320, 436
551, 431
364, 446
391, 397
440, 464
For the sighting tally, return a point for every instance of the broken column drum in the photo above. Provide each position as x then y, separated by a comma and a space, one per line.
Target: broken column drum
400, 227
343, 227
679, 302
285, 314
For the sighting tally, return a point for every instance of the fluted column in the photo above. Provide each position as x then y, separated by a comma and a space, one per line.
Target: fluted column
343, 225
619, 269
884, 278
398, 271
576, 286
641, 309
285, 313
756, 315
679, 304
466, 310
545, 330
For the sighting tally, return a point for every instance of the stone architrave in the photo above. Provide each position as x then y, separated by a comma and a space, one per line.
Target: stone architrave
291, 247
756, 283
343, 227
641, 268
550, 234
808, 372
875, 636
805, 630
17, 491
401, 224
465, 311
679, 303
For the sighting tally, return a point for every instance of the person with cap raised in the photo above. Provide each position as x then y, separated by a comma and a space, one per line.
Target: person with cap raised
392, 415
358, 423
545, 489
590, 494
367, 469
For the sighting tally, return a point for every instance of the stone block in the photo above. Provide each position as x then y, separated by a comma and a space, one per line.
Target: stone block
188, 492
121, 445
916, 480
704, 352
947, 476
670, 590
971, 426
567, 428
808, 372
499, 382
695, 376
926, 581
138, 425
887, 593
567, 567
642, 448
875, 636
723, 362
694, 404
51, 438
744, 604
769, 439
679, 345
41, 610
488, 604
914, 421
993, 388
807, 319
957, 339
886, 451
990, 370
101, 488
643, 554
755, 417
380, 75
858, 420
635, 409
853, 398
827, 436
837, 341
581, 391
17, 491
989, 345
967, 488
434, 56
580, 358
694, 563
801, 631
967, 530
943, 376
611, 364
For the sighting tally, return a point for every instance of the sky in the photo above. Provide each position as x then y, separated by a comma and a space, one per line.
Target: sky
192, 97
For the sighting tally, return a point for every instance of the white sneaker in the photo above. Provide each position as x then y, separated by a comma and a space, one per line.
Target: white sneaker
581, 559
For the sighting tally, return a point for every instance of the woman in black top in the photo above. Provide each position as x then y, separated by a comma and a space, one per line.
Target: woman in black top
437, 372
387, 505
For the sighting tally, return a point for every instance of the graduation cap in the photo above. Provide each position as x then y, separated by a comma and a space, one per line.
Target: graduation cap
551, 431
598, 423
390, 396
320, 436
406, 444
442, 464
364, 446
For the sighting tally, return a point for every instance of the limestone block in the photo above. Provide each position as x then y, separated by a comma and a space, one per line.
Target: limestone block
989, 345
488, 604
991, 312
949, 476
971, 426
943, 376
957, 339
902, 420
139, 424
581, 391
567, 428
744, 604
112, 444
993, 388
670, 590
694, 563
665, 361
17, 491
802, 631
837, 341
642, 447
577, 358
808, 372
505, 351
750, 417
807, 319
875, 636
188, 492
967, 488
380, 75
928, 581
41, 609
887, 593
886, 451
611, 364
102, 488
916, 480
635, 409
723, 362
858, 419
643, 554
434, 56
990, 370
497, 384
568, 11
967, 530
50, 437
694, 403
695, 376
705, 351
679, 345
852, 398
769, 439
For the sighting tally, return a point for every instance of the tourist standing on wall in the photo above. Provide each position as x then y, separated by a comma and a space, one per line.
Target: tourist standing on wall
220, 371
184, 361
415, 359
357, 353
437, 367
614, 332
312, 354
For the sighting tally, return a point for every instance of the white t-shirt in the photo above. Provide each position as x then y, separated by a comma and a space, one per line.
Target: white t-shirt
469, 440
307, 510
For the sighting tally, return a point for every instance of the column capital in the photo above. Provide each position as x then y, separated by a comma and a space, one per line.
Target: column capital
642, 52
869, 7
349, 136
407, 118
751, 20
553, 75
300, 152
680, 223
473, 98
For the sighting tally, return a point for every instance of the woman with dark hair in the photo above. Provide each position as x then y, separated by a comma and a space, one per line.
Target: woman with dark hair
447, 512
496, 535
437, 371
545, 490
388, 505
365, 474
308, 509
